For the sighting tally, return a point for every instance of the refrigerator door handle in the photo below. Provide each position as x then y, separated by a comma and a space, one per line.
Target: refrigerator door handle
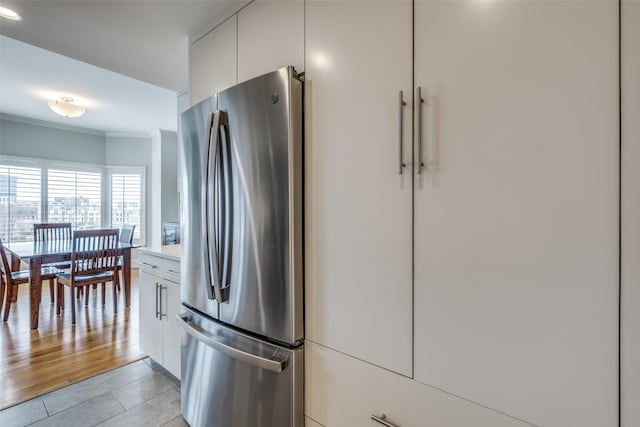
227, 198
274, 365
219, 205
210, 259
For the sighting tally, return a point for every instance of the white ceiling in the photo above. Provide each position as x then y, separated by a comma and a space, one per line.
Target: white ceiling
143, 44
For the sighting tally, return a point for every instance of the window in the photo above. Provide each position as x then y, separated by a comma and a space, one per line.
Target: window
87, 196
74, 197
20, 202
126, 201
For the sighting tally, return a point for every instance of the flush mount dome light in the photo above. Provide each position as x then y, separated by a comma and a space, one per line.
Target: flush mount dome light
65, 107
9, 14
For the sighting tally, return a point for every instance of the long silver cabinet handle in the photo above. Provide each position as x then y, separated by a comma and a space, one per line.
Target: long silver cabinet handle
149, 265
157, 310
401, 163
274, 365
382, 419
419, 101
162, 288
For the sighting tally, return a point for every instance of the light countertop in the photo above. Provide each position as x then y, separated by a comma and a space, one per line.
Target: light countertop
166, 251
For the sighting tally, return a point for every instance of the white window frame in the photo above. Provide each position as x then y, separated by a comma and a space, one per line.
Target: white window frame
138, 170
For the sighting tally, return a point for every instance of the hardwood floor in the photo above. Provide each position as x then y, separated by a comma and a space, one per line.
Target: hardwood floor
58, 354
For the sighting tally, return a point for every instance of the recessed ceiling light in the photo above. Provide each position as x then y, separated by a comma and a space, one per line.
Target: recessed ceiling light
10, 14
65, 107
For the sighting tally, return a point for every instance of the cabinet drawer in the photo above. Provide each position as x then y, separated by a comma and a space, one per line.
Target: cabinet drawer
344, 391
166, 268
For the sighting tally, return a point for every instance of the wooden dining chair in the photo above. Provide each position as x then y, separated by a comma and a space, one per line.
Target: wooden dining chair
126, 233
46, 232
94, 259
10, 280
126, 236
51, 231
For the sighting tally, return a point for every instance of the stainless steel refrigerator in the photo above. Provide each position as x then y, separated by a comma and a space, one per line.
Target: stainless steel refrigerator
242, 268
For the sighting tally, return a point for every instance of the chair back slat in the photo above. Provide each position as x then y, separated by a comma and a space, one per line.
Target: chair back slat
94, 252
126, 233
5, 269
51, 231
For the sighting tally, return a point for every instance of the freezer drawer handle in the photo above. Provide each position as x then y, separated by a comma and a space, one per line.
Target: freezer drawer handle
201, 335
382, 419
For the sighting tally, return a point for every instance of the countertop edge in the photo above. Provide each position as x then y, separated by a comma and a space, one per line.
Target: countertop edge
171, 252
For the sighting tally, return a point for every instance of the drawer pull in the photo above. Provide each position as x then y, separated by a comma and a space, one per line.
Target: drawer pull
173, 272
149, 265
382, 419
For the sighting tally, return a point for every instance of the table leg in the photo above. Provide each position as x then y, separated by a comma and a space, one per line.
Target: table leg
15, 266
35, 288
126, 273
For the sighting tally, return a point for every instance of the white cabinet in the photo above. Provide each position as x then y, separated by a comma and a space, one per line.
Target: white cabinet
630, 346
344, 392
213, 60
270, 36
516, 213
159, 305
358, 207
510, 230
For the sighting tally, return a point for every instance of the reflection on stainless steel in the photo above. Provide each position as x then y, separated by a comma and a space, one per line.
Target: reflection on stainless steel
266, 139
229, 388
242, 256
195, 281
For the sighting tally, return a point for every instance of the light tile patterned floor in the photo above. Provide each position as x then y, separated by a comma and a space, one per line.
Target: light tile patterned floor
139, 394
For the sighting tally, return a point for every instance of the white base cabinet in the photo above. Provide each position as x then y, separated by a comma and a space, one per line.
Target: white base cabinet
342, 391
159, 305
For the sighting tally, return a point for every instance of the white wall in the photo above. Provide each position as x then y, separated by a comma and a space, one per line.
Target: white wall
133, 151
169, 168
164, 199
630, 213
38, 139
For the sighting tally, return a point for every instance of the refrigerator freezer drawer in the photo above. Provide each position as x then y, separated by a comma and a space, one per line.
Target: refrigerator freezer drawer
231, 379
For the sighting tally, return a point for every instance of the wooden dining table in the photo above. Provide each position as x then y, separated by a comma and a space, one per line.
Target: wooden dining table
46, 252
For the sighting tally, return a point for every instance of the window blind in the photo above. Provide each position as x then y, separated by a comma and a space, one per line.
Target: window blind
20, 202
75, 197
126, 201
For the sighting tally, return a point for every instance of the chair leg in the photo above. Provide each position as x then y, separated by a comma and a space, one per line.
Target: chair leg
2, 289
86, 296
103, 288
73, 306
115, 296
58, 298
51, 290
7, 305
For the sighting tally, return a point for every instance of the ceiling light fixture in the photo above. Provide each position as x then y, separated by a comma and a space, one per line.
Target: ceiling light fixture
10, 14
65, 107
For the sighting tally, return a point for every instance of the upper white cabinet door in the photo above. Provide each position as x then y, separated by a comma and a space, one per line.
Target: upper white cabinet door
213, 61
358, 206
270, 36
630, 213
516, 213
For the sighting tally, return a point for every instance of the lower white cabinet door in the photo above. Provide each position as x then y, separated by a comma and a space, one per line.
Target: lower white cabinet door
151, 331
341, 391
171, 301
308, 422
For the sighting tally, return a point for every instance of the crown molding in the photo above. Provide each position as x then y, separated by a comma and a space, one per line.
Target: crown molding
44, 123
141, 135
